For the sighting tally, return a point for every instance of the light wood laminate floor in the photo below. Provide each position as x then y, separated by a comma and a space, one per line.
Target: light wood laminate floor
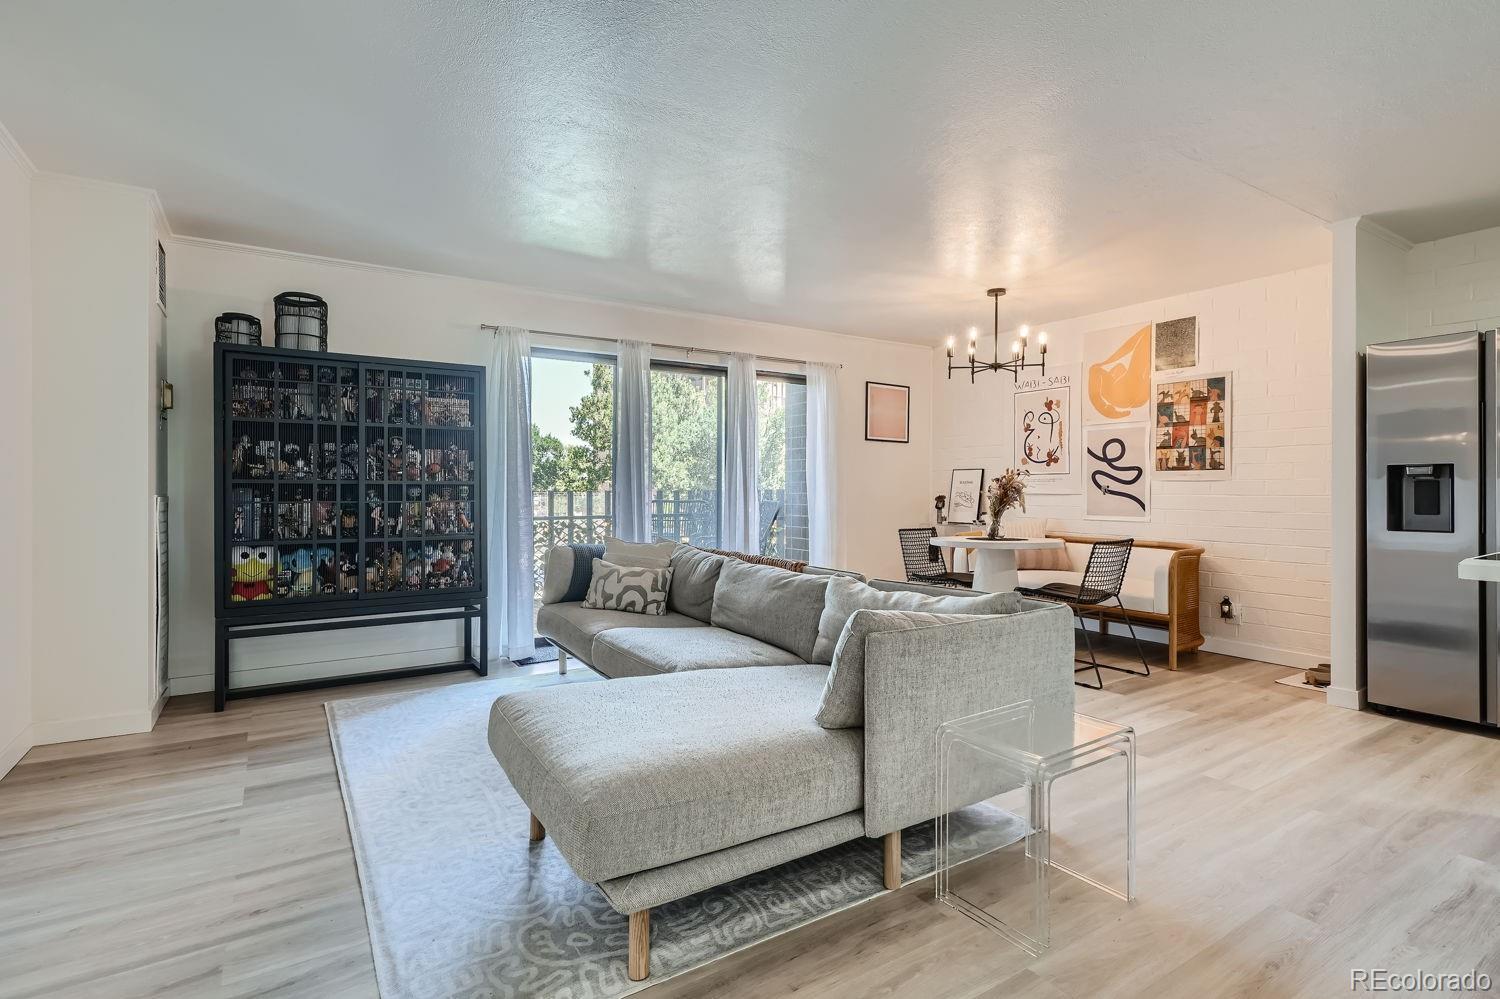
1282, 842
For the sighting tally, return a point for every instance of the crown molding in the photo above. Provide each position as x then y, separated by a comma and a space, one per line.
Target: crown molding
10, 145
1400, 242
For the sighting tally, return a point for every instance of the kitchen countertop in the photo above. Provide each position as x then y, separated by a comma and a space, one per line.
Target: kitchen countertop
1485, 568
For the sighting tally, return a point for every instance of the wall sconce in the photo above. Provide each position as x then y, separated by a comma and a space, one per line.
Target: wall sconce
164, 400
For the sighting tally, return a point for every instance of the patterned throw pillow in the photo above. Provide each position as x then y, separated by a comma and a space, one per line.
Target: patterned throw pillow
637, 589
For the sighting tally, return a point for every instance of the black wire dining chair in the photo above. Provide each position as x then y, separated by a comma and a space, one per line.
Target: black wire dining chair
924, 563
1102, 579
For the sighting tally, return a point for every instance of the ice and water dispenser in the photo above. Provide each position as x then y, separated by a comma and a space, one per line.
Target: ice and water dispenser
1420, 498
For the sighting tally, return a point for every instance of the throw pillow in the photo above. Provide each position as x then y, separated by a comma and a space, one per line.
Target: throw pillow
637, 589
1049, 559
843, 703
568, 572
778, 607
845, 596
695, 573
655, 556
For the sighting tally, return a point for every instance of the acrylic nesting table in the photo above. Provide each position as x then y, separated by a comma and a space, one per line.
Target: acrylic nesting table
1027, 747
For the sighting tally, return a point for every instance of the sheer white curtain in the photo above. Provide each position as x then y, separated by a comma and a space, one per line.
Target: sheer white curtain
822, 463
739, 516
510, 571
632, 442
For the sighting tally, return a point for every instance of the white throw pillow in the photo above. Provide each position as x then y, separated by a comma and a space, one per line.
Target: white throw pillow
846, 595
636, 589
657, 556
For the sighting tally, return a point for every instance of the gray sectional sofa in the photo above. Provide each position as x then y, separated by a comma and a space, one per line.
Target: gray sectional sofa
767, 715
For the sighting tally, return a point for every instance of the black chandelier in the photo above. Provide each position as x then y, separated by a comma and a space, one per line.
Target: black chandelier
1017, 362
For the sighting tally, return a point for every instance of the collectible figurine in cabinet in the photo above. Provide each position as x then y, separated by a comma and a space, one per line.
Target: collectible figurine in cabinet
348, 574
298, 565
374, 514
328, 578
239, 524
375, 460
375, 571
348, 403
395, 458
251, 571
348, 467
348, 520
322, 517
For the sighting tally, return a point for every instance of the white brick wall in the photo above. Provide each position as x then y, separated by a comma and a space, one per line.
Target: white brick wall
1453, 284
1266, 530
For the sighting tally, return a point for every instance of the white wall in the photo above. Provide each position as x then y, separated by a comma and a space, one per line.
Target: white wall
1266, 530
93, 261
15, 452
1453, 285
382, 311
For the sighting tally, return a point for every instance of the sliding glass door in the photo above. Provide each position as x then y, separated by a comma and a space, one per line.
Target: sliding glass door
572, 426
782, 429
572, 431
687, 445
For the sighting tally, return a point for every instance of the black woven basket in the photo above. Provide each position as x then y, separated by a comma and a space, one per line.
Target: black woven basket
239, 328
301, 321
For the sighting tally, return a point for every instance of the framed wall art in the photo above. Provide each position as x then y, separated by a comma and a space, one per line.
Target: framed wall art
965, 494
1117, 373
1117, 471
887, 412
1045, 431
1193, 430
1175, 344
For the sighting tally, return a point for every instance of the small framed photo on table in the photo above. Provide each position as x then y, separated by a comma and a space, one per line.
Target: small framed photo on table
887, 412
965, 493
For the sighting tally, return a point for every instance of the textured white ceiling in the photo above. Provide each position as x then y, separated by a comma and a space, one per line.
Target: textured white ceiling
867, 167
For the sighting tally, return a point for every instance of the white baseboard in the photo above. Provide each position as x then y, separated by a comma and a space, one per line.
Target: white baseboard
1345, 697
1264, 653
200, 683
45, 733
11, 753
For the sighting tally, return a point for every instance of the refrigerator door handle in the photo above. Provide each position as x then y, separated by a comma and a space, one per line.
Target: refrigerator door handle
1489, 526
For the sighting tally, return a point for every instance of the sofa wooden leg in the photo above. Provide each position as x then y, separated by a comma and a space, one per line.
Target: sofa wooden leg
562, 661
639, 960
537, 830
892, 844
1172, 655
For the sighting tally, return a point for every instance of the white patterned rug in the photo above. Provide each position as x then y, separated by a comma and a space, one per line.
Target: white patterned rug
460, 903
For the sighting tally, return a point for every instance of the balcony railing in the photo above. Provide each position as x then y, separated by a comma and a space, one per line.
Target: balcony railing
692, 516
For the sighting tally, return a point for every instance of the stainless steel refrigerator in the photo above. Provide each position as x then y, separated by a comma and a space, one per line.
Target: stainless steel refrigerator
1431, 498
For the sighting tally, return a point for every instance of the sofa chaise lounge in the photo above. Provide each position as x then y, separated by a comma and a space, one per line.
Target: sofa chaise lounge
734, 736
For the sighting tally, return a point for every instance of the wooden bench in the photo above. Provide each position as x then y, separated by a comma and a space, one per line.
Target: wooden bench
1161, 587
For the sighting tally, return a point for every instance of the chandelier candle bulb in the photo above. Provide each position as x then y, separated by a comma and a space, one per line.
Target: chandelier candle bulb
1017, 360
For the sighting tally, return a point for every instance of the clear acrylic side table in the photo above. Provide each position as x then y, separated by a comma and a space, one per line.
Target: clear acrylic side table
1025, 747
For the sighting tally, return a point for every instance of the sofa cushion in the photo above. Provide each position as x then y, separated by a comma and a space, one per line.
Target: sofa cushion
845, 596
648, 651
843, 702
631, 775
695, 573
573, 626
770, 604
656, 555
1138, 592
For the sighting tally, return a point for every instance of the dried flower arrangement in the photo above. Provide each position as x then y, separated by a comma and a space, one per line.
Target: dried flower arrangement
1006, 491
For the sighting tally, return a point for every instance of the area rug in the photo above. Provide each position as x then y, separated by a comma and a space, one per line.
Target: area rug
459, 903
